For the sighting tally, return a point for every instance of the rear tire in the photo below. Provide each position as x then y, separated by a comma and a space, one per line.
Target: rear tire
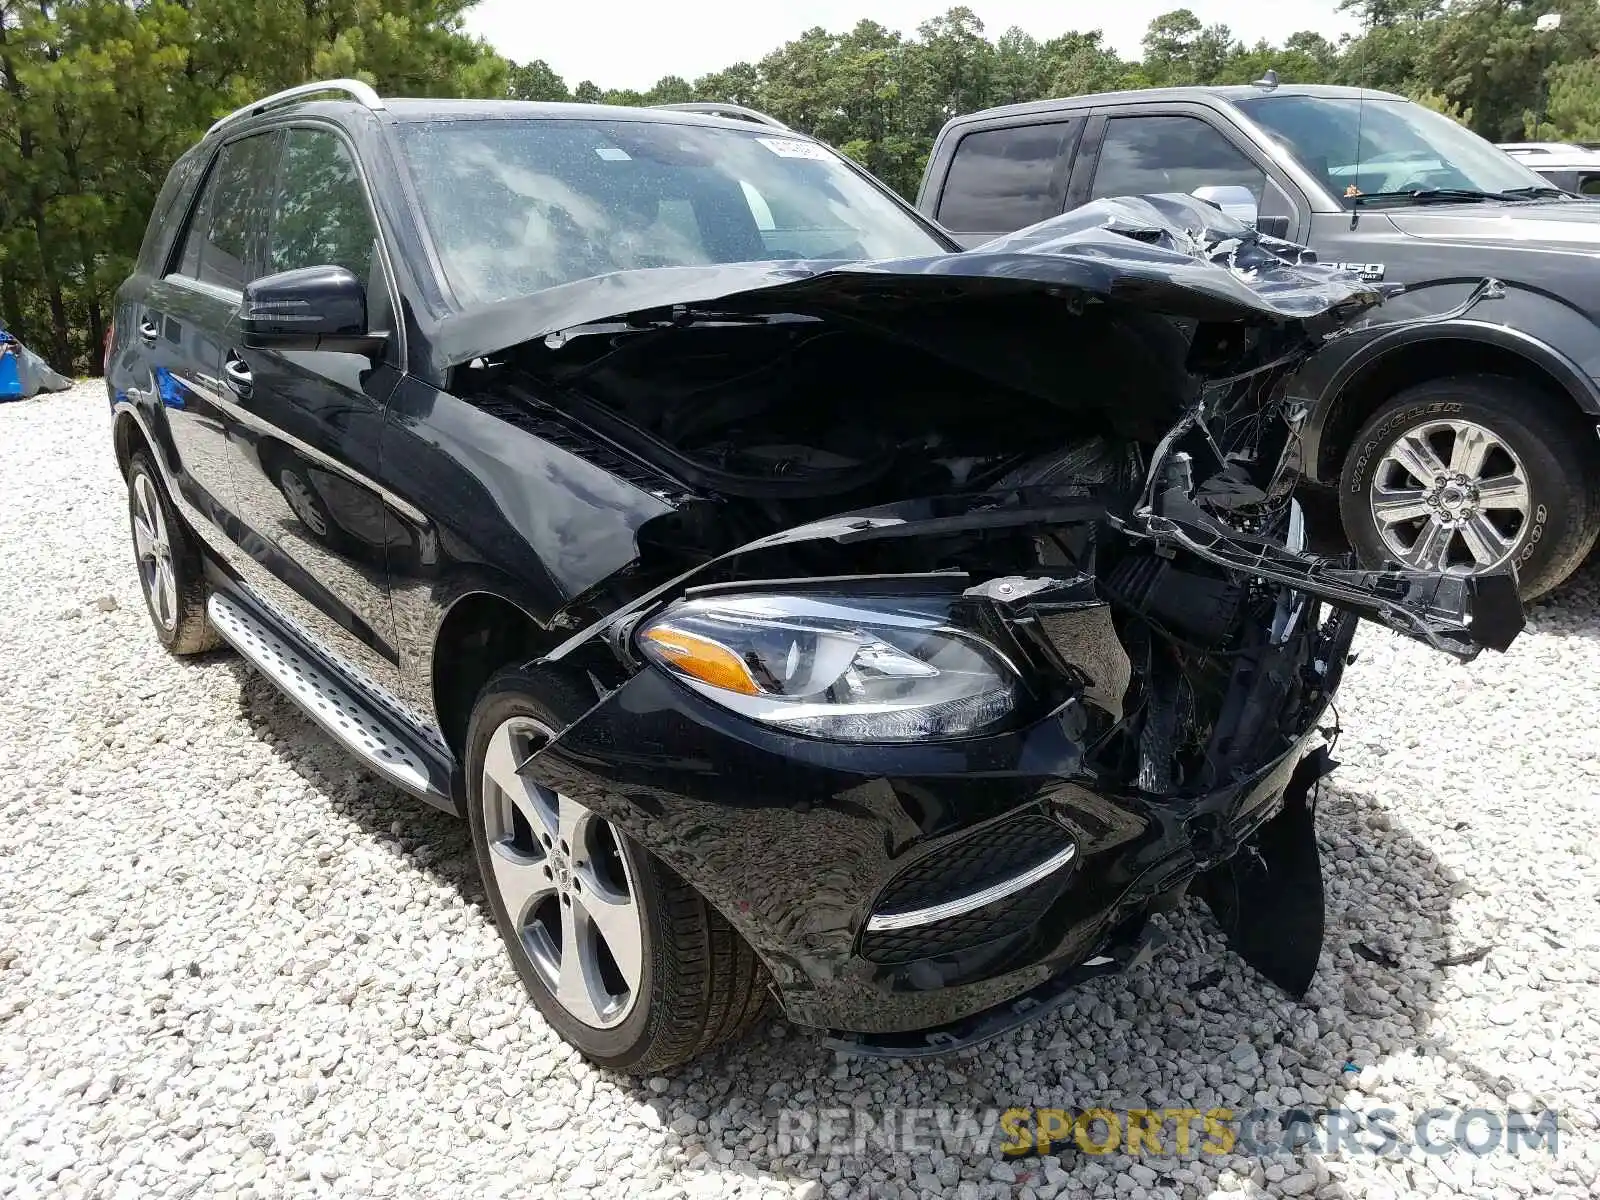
694, 984
1544, 529
171, 576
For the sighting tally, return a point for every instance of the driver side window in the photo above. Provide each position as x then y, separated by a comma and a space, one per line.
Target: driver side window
1145, 155
223, 242
321, 216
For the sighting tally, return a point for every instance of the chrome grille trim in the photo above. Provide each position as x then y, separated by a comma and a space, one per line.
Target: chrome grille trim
912, 917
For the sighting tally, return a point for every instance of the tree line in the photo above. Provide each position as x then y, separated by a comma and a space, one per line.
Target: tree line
98, 97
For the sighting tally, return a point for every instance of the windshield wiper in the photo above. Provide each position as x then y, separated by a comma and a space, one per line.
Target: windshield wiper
1534, 191
1428, 195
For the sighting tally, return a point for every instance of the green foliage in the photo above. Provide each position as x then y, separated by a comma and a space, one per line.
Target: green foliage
535, 81
1440, 104
1180, 52
98, 97
1488, 56
1573, 110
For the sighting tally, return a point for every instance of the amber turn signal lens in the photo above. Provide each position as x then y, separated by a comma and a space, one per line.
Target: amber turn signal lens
702, 659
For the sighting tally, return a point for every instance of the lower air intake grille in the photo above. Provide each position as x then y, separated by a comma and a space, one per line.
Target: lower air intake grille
987, 858
956, 934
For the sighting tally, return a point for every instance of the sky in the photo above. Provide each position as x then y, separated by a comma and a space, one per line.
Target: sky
633, 43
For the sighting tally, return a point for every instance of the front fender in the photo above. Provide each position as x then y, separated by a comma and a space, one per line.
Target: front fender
1549, 334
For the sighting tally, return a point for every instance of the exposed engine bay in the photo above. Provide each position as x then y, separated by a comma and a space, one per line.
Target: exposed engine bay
814, 410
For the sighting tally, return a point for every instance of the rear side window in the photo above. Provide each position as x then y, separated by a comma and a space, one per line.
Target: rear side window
1000, 179
1149, 155
320, 215
1590, 186
223, 243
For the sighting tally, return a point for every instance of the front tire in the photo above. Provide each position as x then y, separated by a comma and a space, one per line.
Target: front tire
170, 573
625, 960
1468, 474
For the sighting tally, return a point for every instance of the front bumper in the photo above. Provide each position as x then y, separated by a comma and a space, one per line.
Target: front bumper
798, 842
1037, 1002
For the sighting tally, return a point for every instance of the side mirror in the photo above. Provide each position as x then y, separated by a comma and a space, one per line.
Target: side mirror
312, 308
1235, 200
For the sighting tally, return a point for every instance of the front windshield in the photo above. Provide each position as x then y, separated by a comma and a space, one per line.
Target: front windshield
516, 206
1360, 147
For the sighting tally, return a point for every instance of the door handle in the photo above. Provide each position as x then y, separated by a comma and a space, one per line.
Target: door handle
237, 372
149, 331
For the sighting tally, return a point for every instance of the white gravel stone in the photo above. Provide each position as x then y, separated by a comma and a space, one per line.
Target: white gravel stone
232, 964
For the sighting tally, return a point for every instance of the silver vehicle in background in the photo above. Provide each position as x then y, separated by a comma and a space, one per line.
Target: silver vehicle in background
1571, 166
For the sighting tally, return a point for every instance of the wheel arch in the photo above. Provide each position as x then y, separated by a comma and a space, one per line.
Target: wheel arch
127, 438
481, 633
1390, 365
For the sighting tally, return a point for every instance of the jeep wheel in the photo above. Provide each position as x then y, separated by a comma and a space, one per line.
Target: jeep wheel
170, 574
1467, 474
622, 957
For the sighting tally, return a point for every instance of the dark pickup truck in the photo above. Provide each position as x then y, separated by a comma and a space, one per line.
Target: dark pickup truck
1458, 443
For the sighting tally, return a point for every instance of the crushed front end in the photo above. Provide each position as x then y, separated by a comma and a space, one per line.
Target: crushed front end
939, 757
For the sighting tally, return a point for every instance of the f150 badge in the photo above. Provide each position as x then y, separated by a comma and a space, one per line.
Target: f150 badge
1372, 272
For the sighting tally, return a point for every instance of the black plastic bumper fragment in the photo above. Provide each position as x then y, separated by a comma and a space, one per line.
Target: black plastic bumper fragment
1268, 900
1002, 1018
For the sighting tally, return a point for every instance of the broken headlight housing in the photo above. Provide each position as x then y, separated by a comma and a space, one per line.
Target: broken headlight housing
858, 669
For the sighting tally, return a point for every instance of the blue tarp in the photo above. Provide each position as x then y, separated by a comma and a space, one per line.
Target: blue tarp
23, 373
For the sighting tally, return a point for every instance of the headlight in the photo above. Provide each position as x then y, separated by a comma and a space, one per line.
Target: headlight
860, 670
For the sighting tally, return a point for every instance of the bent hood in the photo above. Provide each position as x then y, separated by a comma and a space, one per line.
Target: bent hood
1170, 253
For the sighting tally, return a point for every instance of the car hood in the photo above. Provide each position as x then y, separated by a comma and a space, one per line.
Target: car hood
1171, 254
1564, 224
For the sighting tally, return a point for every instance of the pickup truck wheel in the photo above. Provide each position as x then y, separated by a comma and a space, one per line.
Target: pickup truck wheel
170, 574
624, 959
1467, 474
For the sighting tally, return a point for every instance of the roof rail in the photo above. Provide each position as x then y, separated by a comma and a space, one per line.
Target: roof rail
352, 87
715, 108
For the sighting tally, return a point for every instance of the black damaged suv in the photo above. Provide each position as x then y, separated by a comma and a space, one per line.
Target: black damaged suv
790, 602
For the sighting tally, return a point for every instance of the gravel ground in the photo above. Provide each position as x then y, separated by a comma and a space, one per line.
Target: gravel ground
232, 964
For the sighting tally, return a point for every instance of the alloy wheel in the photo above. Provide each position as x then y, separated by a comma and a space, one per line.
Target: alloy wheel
566, 885
1450, 496
153, 549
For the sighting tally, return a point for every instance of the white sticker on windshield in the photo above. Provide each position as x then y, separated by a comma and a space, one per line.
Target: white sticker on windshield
613, 153
795, 148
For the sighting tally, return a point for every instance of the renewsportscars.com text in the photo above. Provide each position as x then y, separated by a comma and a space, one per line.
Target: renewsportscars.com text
1181, 1132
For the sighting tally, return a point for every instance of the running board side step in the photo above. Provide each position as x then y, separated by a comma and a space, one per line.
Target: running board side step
380, 743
